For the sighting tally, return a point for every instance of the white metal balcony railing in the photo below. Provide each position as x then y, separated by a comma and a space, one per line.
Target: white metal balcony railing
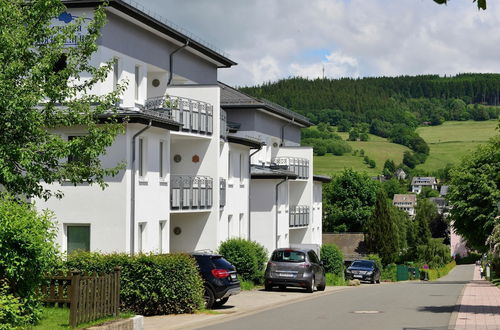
222, 192
191, 192
195, 116
299, 166
223, 124
299, 216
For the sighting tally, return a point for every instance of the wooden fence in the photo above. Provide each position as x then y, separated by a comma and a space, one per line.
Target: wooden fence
89, 297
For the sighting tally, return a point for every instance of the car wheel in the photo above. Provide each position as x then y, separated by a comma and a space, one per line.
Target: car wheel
311, 286
221, 302
209, 298
372, 281
268, 287
322, 286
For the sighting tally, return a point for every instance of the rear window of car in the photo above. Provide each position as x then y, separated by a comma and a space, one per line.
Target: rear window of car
288, 256
364, 264
220, 262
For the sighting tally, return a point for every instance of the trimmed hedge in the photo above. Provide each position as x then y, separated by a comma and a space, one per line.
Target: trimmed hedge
150, 284
248, 257
332, 258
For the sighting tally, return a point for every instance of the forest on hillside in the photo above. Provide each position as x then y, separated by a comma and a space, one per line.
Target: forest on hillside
393, 107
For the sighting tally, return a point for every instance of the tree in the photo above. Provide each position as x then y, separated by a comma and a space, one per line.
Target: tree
474, 193
392, 187
382, 233
42, 88
481, 4
348, 201
425, 211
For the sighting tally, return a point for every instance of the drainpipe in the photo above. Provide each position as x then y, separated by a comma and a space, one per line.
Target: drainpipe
250, 187
283, 131
171, 61
276, 225
132, 192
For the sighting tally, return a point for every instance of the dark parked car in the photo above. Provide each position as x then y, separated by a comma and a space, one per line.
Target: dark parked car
220, 277
363, 270
295, 267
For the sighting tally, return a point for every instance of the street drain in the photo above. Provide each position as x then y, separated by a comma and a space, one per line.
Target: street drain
367, 312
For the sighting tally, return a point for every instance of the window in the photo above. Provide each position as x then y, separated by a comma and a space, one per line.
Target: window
141, 237
116, 73
241, 168
78, 237
161, 164
229, 218
137, 81
142, 158
240, 225
161, 236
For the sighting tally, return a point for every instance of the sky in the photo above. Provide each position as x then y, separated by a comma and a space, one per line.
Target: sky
277, 39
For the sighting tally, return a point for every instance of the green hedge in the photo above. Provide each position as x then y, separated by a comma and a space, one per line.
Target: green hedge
469, 259
389, 273
332, 258
248, 257
435, 273
150, 284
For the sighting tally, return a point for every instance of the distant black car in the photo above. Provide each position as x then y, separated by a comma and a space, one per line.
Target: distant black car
220, 277
363, 270
295, 267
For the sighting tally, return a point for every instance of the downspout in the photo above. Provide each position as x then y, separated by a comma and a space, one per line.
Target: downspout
282, 144
171, 61
250, 187
276, 225
132, 191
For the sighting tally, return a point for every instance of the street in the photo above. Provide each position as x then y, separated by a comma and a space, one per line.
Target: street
404, 305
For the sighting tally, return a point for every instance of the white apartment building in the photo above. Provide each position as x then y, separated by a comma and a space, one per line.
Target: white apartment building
188, 183
419, 182
405, 202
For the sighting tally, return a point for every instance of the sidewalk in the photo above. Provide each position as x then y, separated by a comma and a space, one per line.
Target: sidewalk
243, 304
479, 305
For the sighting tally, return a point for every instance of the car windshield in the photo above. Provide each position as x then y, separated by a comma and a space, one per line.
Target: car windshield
288, 256
362, 264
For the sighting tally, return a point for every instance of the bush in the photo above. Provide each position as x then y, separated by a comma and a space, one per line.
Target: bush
333, 259
11, 309
248, 257
435, 273
27, 252
377, 259
470, 259
150, 284
334, 279
434, 253
389, 273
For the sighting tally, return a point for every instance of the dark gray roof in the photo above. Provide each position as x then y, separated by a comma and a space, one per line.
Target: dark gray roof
157, 119
443, 191
244, 141
232, 98
262, 172
322, 178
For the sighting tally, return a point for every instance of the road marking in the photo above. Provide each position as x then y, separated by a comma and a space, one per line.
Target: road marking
367, 312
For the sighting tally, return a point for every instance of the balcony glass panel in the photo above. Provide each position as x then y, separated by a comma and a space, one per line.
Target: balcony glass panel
191, 192
299, 166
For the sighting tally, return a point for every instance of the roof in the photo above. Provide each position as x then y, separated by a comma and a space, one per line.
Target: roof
439, 201
444, 190
423, 180
262, 172
160, 24
399, 198
233, 98
244, 141
322, 178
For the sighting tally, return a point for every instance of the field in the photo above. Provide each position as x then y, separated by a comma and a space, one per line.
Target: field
453, 140
377, 148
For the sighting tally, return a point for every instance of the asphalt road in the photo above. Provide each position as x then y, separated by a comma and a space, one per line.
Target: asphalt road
404, 305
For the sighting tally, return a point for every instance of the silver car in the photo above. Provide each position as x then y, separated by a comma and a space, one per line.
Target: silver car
295, 267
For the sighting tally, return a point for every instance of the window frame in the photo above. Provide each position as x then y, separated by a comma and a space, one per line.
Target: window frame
67, 234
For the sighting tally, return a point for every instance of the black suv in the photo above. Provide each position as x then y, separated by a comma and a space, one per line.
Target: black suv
221, 280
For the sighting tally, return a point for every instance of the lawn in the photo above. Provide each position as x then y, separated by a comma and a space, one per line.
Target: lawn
377, 148
453, 140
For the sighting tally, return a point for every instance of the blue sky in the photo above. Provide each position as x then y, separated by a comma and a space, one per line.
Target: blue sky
276, 39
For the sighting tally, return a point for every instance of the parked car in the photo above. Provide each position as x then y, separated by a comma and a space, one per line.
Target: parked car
363, 270
297, 268
220, 277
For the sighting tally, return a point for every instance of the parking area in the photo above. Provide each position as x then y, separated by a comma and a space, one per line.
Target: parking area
243, 304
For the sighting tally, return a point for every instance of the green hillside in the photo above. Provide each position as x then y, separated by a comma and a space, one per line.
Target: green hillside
453, 140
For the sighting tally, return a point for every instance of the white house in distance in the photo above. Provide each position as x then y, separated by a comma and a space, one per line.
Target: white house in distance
188, 183
405, 202
419, 182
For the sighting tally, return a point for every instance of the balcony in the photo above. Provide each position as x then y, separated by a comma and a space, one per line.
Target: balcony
299, 166
222, 192
223, 124
299, 216
195, 116
191, 192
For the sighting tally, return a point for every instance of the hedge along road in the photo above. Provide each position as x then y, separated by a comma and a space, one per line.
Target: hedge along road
404, 305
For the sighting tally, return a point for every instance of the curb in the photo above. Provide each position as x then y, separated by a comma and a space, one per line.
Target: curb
133, 323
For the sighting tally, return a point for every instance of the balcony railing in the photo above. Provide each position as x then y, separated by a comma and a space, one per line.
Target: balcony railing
191, 192
222, 192
299, 166
299, 216
223, 124
195, 116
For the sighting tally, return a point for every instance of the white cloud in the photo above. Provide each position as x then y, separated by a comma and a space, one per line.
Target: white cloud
270, 39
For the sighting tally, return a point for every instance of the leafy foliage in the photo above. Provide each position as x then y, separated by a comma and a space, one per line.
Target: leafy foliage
27, 251
248, 257
348, 201
424, 213
481, 4
474, 193
11, 309
332, 258
434, 253
45, 85
150, 284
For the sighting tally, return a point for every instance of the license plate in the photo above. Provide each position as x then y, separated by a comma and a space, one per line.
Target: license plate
358, 276
286, 275
233, 276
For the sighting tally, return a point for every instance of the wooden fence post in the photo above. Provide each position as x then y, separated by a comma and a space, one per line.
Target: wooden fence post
116, 293
74, 299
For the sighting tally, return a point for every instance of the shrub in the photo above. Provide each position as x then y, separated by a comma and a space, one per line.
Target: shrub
334, 279
469, 259
377, 259
389, 273
434, 253
27, 252
248, 257
333, 259
435, 273
150, 284
11, 311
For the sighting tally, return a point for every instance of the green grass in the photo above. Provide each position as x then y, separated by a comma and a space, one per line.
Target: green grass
453, 140
335, 280
377, 148
54, 318
248, 285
